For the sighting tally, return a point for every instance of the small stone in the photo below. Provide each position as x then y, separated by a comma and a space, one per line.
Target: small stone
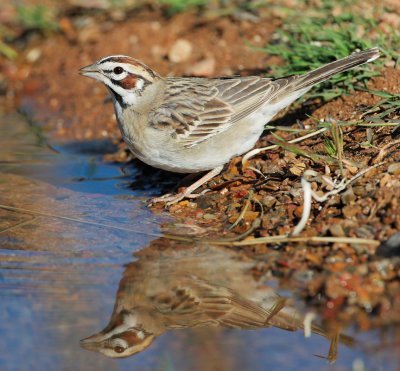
391, 18
390, 64
33, 55
158, 51
313, 258
227, 71
155, 26
365, 231
391, 247
348, 197
67, 28
233, 218
133, 39
90, 34
203, 68
352, 169
269, 201
360, 190
351, 211
118, 15
337, 230
298, 168
250, 216
180, 51
93, 4
257, 39
385, 180
53, 102
337, 10
394, 168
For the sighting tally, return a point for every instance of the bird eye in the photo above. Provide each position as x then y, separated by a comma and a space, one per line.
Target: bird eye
118, 70
118, 349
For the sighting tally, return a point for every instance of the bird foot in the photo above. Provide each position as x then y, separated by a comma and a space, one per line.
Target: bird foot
187, 193
170, 199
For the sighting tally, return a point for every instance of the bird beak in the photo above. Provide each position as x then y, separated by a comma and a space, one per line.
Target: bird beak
91, 343
91, 71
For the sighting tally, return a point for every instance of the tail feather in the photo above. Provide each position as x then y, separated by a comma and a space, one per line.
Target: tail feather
308, 80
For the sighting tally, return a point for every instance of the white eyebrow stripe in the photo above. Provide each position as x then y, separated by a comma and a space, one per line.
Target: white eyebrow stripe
133, 69
121, 342
111, 65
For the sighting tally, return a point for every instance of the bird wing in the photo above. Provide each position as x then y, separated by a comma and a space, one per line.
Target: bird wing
195, 109
197, 302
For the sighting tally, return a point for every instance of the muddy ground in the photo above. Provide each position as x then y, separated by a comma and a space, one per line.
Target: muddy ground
356, 281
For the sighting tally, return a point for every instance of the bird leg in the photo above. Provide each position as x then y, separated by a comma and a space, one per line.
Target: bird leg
187, 193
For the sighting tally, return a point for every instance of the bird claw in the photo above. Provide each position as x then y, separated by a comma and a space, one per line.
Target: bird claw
187, 193
171, 199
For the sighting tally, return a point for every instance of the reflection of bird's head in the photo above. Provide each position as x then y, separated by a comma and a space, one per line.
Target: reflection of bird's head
121, 338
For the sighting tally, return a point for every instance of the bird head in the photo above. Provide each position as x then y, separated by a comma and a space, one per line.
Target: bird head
121, 338
124, 76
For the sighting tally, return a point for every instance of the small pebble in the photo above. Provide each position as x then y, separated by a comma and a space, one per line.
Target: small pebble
391, 247
203, 68
33, 55
180, 51
348, 196
394, 168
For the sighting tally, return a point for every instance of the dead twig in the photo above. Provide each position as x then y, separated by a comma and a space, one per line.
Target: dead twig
244, 209
307, 323
87, 222
254, 226
384, 150
256, 151
286, 238
309, 194
25, 222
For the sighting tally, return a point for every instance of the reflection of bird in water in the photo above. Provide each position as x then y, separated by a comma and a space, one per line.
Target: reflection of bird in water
182, 287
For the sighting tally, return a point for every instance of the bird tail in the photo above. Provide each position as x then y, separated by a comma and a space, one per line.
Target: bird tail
305, 82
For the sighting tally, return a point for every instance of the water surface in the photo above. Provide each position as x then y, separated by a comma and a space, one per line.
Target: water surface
77, 241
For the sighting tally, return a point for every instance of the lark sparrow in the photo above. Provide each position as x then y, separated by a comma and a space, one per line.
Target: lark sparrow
187, 124
179, 287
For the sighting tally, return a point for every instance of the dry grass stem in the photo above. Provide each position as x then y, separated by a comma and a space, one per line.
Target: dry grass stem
337, 136
25, 222
243, 212
307, 323
309, 194
384, 150
285, 239
75, 220
307, 191
256, 151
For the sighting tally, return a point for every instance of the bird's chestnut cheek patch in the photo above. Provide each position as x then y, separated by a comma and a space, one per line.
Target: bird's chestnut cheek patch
129, 82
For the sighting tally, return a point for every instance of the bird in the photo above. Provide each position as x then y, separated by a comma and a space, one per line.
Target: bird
194, 124
174, 286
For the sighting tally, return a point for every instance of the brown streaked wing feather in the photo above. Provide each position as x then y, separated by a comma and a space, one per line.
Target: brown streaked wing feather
247, 95
191, 110
197, 109
208, 303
